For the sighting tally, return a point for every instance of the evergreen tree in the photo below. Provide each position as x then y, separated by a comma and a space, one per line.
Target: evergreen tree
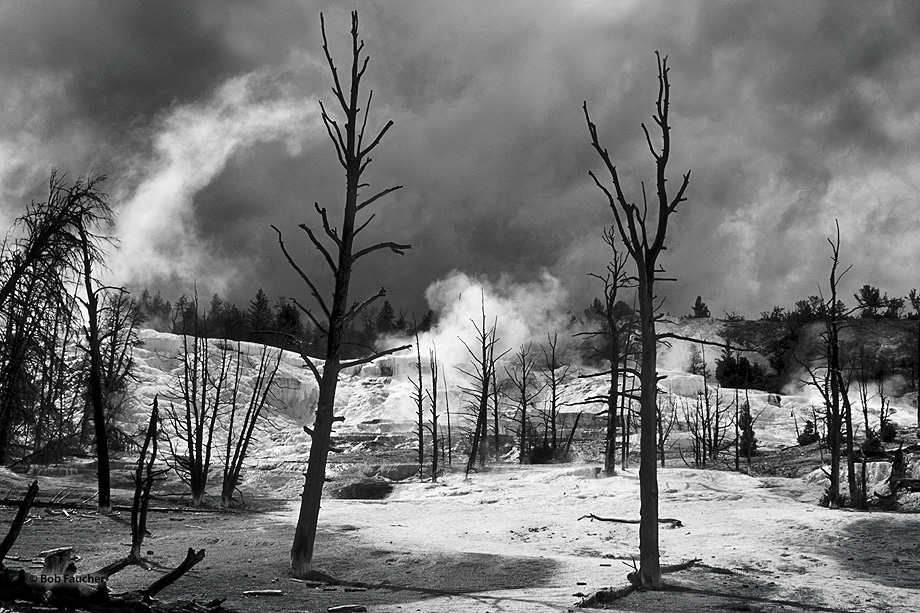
870, 301
700, 310
747, 442
287, 321
386, 318
259, 317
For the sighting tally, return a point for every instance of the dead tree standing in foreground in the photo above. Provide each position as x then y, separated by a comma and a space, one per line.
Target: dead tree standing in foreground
644, 239
352, 152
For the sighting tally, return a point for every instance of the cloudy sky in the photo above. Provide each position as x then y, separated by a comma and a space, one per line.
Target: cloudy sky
204, 116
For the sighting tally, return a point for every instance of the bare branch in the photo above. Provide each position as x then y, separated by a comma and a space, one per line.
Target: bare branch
377, 196
367, 111
397, 248
330, 231
300, 272
356, 308
302, 351
336, 137
337, 90
320, 247
309, 314
648, 139
364, 152
379, 354
364, 225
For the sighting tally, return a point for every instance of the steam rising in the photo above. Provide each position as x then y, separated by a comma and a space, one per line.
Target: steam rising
521, 312
191, 146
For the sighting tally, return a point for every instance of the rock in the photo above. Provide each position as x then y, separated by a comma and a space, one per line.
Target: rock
364, 489
393, 472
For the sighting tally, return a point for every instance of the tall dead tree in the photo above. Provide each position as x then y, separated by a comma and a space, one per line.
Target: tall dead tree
418, 397
554, 374
352, 151
833, 388
526, 390
243, 421
450, 442
433, 407
610, 342
91, 254
203, 387
644, 238
482, 365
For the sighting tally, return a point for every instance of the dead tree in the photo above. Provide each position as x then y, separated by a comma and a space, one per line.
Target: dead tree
666, 422
352, 151
418, 397
610, 341
482, 363
119, 323
914, 298
830, 383
240, 428
450, 445
90, 256
52, 230
203, 388
644, 239
525, 392
436, 440
144, 478
554, 374
496, 413
28, 352
61, 235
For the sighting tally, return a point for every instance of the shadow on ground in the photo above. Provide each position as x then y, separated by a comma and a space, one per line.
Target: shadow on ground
881, 547
706, 588
251, 551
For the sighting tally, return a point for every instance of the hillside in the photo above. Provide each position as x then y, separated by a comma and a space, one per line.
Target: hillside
376, 399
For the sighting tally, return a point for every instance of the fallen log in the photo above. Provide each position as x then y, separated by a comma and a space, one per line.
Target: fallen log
58, 583
675, 523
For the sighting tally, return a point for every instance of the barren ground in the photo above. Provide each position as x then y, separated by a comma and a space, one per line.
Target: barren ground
510, 540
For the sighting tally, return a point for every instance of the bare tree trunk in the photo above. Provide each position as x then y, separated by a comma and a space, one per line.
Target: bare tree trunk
95, 379
433, 399
495, 402
450, 444
610, 448
649, 565
144, 477
352, 154
419, 399
644, 247
305, 534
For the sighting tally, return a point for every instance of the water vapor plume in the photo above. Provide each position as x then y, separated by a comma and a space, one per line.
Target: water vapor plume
191, 146
521, 311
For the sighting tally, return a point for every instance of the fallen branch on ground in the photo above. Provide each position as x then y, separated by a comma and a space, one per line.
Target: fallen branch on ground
59, 584
675, 523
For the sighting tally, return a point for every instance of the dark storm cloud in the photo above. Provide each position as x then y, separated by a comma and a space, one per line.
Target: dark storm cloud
204, 115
